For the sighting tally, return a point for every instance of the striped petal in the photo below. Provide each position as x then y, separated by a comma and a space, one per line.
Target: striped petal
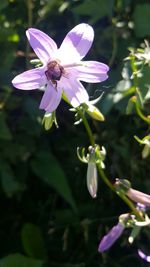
74, 91
76, 43
31, 79
91, 71
43, 46
51, 98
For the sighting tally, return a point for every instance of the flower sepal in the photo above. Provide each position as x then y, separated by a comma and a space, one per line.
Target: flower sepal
122, 185
146, 142
36, 62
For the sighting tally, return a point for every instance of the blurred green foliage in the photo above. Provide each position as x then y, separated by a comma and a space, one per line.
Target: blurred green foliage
47, 216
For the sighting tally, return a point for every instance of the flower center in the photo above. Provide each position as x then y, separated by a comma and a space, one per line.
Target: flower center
54, 71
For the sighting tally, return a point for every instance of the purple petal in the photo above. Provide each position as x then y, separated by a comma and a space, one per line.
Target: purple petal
31, 79
74, 91
91, 71
138, 196
51, 98
76, 43
143, 255
42, 44
109, 239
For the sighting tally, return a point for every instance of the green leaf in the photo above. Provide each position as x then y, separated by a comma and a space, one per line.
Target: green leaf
4, 130
18, 260
141, 18
47, 168
95, 9
32, 241
3, 4
9, 183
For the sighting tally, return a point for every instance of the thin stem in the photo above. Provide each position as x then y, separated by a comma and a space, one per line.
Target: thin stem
131, 205
104, 177
141, 115
101, 172
88, 129
123, 197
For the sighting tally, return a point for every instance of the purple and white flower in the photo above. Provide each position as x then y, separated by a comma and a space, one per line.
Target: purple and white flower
62, 68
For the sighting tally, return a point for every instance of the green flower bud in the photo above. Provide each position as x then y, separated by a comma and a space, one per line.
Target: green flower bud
48, 120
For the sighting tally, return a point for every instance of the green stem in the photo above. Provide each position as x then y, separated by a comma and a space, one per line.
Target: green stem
123, 197
86, 124
131, 205
101, 172
141, 115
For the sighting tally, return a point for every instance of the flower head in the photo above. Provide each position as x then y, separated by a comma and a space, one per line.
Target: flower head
62, 68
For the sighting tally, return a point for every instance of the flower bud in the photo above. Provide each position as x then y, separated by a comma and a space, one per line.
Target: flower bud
94, 112
130, 105
109, 239
138, 196
146, 151
92, 183
48, 120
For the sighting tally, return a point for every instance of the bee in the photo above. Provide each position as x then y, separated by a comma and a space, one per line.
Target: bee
54, 72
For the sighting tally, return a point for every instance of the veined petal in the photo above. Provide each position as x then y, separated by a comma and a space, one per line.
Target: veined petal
91, 71
51, 98
76, 43
31, 79
74, 91
42, 44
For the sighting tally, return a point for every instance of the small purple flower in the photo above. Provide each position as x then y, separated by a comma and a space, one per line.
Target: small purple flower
109, 239
62, 68
138, 196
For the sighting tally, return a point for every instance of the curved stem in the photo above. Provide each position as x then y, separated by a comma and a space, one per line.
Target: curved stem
123, 197
86, 124
103, 175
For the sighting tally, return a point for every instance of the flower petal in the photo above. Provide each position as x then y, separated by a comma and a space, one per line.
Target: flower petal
91, 71
51, 98
31, 79
76, 43
74, 91
42, 44
143, 255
